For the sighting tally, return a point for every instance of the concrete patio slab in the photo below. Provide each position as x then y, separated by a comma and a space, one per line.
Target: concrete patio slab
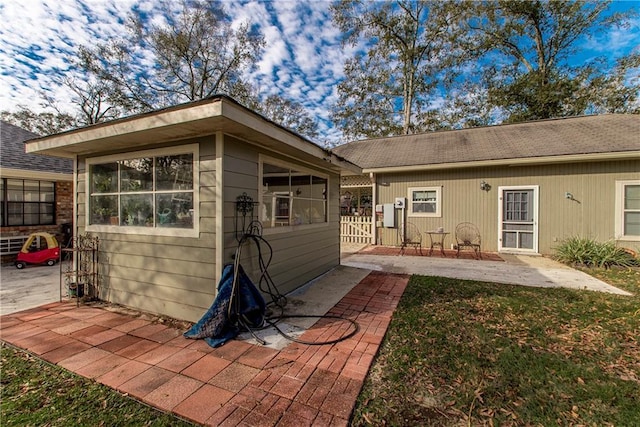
29, 287
524, 270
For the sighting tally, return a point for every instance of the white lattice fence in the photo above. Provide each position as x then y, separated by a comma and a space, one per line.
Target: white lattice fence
356, 229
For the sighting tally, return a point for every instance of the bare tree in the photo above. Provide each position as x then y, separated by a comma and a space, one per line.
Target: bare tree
195, 53
409, 45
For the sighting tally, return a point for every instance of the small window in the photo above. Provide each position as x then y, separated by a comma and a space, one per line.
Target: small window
149, 189
27, 202
425, 201
291, 195
628, 210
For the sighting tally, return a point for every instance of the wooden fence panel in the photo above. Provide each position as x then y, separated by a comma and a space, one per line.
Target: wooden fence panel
356, 229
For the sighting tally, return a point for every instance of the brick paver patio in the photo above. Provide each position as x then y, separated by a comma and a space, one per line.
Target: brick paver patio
236, 384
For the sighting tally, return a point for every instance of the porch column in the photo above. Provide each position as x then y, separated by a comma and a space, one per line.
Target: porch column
374, 201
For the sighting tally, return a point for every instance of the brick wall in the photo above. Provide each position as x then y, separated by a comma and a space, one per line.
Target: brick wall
64, 202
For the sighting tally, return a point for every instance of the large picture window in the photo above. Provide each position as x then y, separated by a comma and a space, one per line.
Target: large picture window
628, 210
27, 202
143, 190
425, 201
291, 195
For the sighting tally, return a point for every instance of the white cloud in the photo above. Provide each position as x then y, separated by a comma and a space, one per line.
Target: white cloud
302, 58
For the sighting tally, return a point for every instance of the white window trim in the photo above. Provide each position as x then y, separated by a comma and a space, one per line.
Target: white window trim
148, 231
436, 214
290, 228
619, 211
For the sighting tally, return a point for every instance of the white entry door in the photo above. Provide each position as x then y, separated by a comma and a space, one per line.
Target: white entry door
518, 222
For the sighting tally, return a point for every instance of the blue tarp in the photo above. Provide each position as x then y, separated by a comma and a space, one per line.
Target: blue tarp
215, 326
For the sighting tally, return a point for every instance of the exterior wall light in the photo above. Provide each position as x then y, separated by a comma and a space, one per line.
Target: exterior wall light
568, 195
484, 186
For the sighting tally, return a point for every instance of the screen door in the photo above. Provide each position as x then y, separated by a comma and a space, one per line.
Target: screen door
518, 222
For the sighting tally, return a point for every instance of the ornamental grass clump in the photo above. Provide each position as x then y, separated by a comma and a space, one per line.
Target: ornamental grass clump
581, 251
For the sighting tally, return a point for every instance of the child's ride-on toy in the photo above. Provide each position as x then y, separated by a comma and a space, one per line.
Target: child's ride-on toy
40, 248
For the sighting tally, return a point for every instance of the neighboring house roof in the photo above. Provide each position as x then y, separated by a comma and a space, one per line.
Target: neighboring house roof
13, 155
218, 113
557, 140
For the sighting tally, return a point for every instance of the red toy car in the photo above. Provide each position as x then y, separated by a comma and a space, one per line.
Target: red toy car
40, 248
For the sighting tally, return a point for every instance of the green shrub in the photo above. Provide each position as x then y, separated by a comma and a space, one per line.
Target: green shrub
582, 251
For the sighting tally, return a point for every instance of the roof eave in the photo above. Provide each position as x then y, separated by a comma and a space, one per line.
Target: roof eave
146, 129
35, 174
192, 120
572, 158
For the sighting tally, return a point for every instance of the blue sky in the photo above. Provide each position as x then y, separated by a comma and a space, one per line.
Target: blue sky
302, 60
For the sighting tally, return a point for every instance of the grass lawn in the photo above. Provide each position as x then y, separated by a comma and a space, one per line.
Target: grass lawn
35, 393
473, 353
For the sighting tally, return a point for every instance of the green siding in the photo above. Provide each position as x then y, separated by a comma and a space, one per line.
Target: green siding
298, 256
591, 214
172, 276
175, 276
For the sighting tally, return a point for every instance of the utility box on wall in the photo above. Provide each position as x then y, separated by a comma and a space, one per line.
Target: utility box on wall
389, 215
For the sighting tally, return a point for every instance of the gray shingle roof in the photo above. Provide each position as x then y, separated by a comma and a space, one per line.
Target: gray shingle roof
601, 134
12, 153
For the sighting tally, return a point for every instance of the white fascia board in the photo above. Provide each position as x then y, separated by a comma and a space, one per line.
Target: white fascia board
130, 125
35, 175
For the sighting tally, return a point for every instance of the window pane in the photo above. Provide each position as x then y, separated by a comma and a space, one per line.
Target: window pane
31, 213
292, 197
300, 211
14, 190
266, 211
517, 226
138, 192
14, 213
31, 191
275, 210
424, 207
318, 211
526, 240
174, 172
104, 178
46, 213
137, 210
275, 179
517, 206
282, 210
509, 239
632, 224
319, 188
174, 210
47, 191
2, 190
632, 197
301, 185
104, 210
424, 196
136, 175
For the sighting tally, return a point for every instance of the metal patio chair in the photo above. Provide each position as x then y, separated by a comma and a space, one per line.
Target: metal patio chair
412, 237
468, 237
